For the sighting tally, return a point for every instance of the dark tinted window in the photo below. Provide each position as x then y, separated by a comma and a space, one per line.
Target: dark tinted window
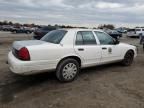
45, 28
54, 36
85, 37
49, 28
131, 30
138, 29
104, 38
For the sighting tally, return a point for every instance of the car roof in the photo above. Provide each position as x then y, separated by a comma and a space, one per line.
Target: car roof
78, 29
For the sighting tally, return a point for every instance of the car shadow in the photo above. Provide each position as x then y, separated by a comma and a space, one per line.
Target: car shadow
21, 83
8, 90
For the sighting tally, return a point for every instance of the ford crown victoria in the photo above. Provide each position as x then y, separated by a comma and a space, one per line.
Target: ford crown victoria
67, 51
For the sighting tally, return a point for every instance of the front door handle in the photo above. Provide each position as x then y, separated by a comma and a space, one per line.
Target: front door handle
104, 48
81, 49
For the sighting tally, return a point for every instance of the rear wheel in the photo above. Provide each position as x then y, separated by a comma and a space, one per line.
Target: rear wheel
128, 58
15, 31
67, 70
28, 32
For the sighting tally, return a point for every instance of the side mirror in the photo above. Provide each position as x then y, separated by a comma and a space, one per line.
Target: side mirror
116, 41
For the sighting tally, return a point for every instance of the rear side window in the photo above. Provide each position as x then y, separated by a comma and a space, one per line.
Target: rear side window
79, 39
85, 38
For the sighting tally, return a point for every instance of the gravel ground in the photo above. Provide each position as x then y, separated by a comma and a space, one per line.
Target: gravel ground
108, 86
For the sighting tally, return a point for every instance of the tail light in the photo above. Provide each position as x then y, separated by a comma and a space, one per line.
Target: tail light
23, 54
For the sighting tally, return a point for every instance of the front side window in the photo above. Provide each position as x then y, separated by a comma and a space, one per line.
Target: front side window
54, 36
85, 38
104, 38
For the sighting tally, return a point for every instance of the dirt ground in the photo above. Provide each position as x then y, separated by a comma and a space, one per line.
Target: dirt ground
108, 86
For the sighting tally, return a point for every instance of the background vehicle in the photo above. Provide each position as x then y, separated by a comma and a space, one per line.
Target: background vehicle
0, 28
114, 33
26, 30
67, 51
7, 27
121, 30
39, 33
135, 32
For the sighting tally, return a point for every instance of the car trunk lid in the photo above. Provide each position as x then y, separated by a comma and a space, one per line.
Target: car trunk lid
20, 44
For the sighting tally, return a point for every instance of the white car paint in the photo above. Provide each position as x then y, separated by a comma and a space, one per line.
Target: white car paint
46, 56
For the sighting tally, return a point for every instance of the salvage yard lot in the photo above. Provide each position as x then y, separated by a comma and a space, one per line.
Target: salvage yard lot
108, 86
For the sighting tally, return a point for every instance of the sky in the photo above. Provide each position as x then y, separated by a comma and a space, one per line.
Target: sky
88, 13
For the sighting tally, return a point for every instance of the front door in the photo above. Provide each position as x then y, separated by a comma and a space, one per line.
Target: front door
110, 51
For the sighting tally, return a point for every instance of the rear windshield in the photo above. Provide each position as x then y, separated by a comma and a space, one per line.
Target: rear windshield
54, 36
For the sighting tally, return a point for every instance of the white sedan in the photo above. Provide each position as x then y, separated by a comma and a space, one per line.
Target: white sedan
67, 51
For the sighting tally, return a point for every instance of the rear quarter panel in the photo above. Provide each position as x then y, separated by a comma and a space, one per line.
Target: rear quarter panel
53, 53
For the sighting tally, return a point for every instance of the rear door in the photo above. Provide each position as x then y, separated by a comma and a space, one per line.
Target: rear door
86, 47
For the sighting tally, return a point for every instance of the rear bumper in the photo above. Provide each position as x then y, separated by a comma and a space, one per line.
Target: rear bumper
28, 67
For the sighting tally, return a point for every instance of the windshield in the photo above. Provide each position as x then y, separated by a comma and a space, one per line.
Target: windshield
54, 36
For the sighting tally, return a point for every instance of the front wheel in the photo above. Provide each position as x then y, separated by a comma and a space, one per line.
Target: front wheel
128, 58
67, 70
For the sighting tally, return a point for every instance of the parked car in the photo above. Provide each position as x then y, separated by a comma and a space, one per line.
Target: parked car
39, 33
0, 28
121, 30
7, 27
26, 30
114, 34
67, 51
135, 32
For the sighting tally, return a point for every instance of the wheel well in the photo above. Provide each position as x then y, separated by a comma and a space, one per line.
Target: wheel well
73, 57
131, 51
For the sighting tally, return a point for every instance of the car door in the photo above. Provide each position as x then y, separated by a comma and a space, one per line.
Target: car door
110, 50
86, 47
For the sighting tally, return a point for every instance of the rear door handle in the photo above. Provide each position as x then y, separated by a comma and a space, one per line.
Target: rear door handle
81, 49
104, 48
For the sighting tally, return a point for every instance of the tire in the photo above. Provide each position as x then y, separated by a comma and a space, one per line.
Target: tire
14, 32
67, 70
28, 32
128, 58
118, 37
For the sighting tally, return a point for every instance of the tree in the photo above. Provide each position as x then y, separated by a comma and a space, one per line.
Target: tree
10, 23
5, 22
108, 26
